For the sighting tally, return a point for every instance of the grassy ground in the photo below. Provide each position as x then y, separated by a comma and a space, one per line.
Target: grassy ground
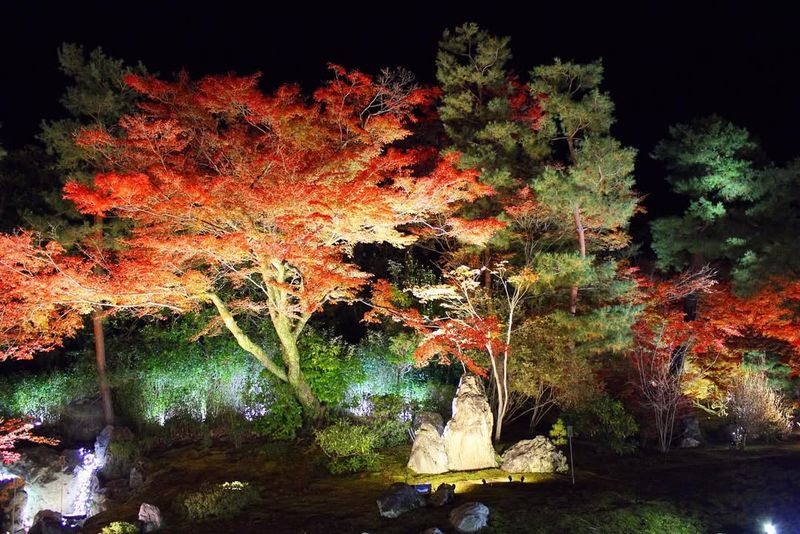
701, 490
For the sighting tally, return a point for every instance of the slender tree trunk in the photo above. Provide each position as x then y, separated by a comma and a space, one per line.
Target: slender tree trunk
581, 231
100, 359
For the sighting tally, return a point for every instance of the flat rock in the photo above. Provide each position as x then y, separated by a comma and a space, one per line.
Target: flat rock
537, 455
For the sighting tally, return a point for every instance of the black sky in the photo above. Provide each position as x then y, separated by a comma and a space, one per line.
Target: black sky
665, 61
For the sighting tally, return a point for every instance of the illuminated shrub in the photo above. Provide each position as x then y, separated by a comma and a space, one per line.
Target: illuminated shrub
349, 447
757, 409
217, 501
282, 416
120, 527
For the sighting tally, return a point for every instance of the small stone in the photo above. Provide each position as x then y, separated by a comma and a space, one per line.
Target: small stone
432, 530
689, 443
136, 478
469, 517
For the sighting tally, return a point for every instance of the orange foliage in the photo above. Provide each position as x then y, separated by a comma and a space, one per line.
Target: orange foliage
13, 430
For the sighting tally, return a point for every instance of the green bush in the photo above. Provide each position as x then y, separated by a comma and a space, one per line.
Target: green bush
217, 501
389, 419
349, 447
283, 416
607, 424
120, 527
329, 364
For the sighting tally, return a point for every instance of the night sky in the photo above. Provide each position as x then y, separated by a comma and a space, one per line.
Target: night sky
665, 62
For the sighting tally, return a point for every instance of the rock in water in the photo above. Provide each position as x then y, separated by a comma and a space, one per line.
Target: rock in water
400, 498
427, 454
431, 418
468, 434
150, 516
444, 494
469, 517
537, 455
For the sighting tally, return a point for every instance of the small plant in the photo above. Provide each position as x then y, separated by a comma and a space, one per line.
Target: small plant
120, 527
558, 434
349, 447
220, 500
607, 424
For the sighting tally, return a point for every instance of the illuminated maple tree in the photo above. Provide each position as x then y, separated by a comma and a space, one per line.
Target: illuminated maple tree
254, 202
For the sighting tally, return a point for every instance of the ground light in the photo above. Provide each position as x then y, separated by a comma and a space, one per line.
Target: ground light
770, 528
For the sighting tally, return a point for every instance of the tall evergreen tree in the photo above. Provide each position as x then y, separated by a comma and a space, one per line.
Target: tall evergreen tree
98, 97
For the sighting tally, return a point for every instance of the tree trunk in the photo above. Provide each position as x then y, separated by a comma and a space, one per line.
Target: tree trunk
294, 375
100, 358
581, 231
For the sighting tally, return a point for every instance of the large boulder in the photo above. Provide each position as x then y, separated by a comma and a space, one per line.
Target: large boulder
468, 434
469, 517
13, 499
537, 455
115, 451
150, 517
691, 429
428, 454
400, 498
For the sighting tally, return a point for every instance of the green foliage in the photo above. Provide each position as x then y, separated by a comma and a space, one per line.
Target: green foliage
390, 419
284, 415
712, 162
120, 527
164, 374
43, 396
349, 447
217, 501
558, 434
606, 423
778, 374
329, 365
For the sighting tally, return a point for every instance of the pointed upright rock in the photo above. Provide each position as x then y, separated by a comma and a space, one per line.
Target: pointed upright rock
468, 434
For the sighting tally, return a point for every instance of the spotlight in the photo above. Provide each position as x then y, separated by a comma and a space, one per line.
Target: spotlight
509, 478
769, 528
522, 479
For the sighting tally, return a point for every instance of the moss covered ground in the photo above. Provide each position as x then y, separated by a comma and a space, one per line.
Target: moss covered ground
710, 489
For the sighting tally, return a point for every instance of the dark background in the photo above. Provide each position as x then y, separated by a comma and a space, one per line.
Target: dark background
665, 62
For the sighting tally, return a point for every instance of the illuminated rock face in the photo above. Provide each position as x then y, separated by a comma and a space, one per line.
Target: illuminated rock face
470, 517
468, 434
537, 455
427, 454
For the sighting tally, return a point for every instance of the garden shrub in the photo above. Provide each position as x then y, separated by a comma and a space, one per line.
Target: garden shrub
217, 501
756, 408
283, 414
120, 527
329, 364
349, 447
607, 424
390, 419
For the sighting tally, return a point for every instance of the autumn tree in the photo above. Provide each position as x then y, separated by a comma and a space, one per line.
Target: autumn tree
254, 202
